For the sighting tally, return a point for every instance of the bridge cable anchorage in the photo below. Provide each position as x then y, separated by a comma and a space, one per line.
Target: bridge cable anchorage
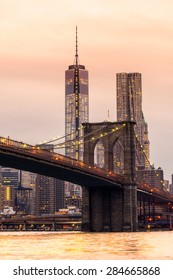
150, 165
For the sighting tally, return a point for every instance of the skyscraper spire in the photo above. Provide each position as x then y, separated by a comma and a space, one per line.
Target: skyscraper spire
76, 55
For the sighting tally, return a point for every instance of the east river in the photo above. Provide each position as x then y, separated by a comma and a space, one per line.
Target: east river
86, 246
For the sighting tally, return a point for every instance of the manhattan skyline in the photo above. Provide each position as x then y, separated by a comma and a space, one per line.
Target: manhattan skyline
37, 44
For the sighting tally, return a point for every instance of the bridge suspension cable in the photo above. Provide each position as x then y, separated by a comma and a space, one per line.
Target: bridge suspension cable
151, 166
61, 137
102, 135
65, 143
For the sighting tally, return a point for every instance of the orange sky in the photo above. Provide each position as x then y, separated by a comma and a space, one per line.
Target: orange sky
37, 43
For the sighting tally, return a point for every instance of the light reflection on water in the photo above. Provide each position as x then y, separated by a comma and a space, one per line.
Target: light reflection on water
86, 246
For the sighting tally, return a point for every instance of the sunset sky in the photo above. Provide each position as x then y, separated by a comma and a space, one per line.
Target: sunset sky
37, 43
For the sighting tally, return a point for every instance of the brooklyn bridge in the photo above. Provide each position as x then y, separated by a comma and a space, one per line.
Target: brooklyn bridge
110, 201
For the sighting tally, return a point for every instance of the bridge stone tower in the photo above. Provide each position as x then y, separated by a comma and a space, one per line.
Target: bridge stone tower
111, 208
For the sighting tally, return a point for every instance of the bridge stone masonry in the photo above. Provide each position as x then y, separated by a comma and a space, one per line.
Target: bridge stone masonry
108, 208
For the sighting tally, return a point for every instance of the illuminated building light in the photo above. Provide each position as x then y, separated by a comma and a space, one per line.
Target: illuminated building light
24, 146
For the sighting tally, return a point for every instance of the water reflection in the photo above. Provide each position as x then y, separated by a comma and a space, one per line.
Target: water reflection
83, 246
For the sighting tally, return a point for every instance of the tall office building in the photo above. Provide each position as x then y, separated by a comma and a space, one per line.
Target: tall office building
49, 192
76, 106
45, 195
76, 111
129, 97
129, 108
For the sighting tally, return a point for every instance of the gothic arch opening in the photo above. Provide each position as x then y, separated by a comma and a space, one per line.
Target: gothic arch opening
118, 157
99, 151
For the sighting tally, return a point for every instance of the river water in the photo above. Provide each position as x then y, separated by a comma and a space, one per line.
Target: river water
86, 246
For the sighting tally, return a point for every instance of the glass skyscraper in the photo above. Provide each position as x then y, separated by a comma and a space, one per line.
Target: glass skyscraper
76, 106
76, 113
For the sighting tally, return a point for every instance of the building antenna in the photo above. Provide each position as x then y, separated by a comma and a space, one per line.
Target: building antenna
108, 114
76, 55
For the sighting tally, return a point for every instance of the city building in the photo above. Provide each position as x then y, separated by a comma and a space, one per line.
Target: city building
129, 108
76, 106
9, 176
73, 201
76, 111
16, 189
45, 195
171, 185
153, 177
6, 196
59, 194
49, 192
9, 179
166, 184
28, 179
23, 196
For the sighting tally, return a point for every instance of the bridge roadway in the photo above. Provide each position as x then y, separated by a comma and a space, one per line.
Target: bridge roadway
26, 157
22, 156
